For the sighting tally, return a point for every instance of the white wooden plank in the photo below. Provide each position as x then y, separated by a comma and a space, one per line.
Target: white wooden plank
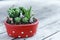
47, 30
2, 29
54, 37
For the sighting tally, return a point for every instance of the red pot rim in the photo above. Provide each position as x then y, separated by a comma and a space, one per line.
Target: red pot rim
23, 24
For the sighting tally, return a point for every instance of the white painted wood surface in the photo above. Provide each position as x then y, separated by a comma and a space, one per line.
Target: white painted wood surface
49, 25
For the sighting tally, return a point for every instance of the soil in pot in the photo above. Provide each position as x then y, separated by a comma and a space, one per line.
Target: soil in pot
9, 22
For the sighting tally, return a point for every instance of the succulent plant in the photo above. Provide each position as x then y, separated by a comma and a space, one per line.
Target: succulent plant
20, 15
17, 20
25, 20
14, 12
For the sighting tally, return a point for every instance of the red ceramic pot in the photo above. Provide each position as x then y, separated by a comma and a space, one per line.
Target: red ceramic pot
22, 30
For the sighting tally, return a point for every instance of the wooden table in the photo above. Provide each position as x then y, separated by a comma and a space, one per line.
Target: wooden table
49, 25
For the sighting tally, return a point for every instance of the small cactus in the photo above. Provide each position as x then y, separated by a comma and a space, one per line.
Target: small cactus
17, 20
25, 20
14, 12
20, 15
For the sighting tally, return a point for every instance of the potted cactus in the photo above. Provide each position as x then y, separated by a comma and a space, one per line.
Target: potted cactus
20, 22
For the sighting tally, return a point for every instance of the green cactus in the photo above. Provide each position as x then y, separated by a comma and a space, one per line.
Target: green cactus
17, 20
14, 13
27, 13
25, 20
22, 9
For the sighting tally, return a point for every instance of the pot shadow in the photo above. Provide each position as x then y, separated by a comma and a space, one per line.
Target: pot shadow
18, 39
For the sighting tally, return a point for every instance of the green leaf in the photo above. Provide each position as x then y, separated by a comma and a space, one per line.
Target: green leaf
27, 13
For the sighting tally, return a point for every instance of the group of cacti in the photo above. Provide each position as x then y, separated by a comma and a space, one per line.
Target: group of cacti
19, 15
